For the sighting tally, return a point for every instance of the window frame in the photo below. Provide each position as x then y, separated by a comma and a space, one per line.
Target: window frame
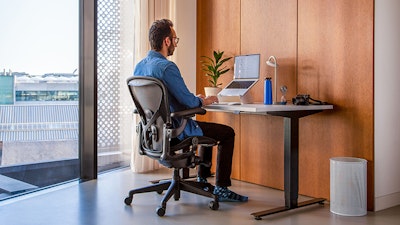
88, 89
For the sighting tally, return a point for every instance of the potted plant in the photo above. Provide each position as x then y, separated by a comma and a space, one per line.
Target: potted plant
214, 68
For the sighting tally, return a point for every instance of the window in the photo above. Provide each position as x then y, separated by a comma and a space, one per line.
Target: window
39, 94
40, 98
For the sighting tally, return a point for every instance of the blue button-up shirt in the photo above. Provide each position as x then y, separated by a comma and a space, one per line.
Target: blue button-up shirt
179, 96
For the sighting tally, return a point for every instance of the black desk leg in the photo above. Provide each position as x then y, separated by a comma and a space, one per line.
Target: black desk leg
291, 161
291, 170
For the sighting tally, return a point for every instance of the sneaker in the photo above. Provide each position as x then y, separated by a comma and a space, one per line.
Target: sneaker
226, 195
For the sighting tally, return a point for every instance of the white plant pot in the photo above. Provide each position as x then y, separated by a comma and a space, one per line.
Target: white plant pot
212, 91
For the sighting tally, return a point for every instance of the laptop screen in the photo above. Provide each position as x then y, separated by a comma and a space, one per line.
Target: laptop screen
246, 67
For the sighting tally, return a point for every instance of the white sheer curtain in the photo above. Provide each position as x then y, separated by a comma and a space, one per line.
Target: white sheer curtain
146, 12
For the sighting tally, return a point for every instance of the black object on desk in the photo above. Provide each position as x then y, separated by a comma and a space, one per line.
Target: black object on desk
291, 114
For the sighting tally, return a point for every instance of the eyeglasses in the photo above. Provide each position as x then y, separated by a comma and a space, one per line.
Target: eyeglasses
176, 39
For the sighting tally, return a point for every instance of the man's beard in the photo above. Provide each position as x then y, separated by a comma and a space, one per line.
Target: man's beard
171, 50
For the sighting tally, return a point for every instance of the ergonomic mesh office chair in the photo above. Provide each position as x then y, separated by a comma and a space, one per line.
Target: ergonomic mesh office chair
157, 140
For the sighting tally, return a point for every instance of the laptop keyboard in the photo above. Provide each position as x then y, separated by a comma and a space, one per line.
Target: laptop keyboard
240, 84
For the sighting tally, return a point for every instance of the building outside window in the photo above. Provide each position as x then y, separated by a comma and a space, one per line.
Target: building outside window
6, 89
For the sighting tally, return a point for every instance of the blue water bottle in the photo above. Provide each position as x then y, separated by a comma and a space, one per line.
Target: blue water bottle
268, 91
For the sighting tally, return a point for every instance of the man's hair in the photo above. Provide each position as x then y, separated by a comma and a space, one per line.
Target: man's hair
159, 30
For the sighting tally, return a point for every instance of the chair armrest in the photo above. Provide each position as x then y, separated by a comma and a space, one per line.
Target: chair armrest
189, 112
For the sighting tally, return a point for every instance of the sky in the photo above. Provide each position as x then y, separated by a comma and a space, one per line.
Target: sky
39, 36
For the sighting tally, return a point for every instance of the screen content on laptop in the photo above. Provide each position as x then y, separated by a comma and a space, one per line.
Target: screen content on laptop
246, 66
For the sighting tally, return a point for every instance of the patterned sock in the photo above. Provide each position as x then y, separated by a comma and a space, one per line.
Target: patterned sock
201, 180
226, 195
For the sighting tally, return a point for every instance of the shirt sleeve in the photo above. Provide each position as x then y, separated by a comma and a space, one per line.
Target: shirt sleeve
178, 89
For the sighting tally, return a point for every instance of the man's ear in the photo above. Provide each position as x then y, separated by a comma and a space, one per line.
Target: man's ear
168, 41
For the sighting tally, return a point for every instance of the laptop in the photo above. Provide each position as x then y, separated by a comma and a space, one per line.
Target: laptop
245, 75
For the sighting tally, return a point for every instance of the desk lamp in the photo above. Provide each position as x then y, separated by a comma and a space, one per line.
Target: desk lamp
272, 63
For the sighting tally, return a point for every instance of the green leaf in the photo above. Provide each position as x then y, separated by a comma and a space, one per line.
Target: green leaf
214, 67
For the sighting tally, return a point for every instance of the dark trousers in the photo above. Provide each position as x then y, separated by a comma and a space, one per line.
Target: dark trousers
226, 137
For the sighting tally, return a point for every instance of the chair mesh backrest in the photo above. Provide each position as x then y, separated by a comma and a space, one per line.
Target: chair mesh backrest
150, 98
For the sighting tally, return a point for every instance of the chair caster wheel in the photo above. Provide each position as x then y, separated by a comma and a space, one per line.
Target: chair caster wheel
160, 211
159, 192
213, 205
128, 200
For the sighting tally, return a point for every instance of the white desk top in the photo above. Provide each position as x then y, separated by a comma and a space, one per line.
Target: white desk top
261, 108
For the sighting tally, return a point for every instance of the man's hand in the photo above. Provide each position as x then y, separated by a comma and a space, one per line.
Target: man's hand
208, 100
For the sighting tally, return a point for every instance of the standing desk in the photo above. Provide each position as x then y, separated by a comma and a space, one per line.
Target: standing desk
291, 115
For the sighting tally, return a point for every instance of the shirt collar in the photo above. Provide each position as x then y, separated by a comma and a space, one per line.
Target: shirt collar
154, 53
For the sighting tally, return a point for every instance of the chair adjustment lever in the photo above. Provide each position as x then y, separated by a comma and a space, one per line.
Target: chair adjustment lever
199, 161
206, 164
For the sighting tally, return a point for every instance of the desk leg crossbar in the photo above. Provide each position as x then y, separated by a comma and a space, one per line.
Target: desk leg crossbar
258, 215
291, 168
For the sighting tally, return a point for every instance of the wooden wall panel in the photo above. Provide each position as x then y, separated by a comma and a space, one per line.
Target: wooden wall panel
218, 28
335, 56
262, 150
232, 120
270, 28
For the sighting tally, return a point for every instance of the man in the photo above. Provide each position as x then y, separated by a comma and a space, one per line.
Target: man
163, 41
